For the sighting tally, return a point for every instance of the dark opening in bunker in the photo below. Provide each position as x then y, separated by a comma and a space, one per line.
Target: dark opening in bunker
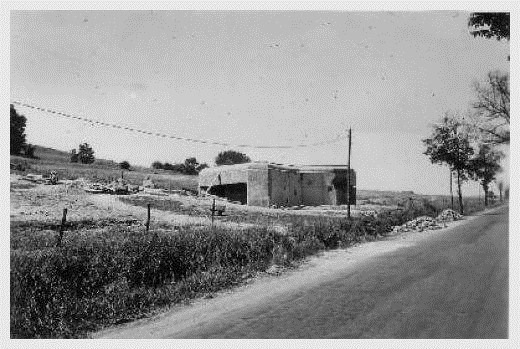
232, 192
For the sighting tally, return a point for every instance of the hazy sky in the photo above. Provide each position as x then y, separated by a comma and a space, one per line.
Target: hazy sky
261, 78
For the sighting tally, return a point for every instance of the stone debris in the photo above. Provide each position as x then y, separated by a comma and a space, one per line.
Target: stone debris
449, 215
117, 187
428, 223
148, 183
274, 270
42, 179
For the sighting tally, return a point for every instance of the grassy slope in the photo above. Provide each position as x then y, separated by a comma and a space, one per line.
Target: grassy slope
49, 159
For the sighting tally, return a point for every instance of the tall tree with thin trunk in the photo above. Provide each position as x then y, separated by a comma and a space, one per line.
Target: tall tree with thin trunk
449, 145
484, 167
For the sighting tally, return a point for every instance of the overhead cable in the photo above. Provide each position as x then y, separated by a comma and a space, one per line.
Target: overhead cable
164, 135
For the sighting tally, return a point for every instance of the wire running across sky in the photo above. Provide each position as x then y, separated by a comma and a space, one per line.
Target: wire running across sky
338, 137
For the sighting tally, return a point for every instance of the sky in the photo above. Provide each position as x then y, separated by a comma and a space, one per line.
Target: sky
260, 78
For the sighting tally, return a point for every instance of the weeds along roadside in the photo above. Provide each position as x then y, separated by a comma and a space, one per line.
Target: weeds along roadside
109, 272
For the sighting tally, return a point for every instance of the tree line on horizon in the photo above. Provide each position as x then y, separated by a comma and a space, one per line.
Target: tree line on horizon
191, 166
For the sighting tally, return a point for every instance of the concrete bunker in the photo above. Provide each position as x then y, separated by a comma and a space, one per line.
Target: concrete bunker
233, 192
266, 184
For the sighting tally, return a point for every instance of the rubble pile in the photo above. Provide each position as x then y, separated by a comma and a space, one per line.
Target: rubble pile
42, 179
448, 215
428, 223
118, 187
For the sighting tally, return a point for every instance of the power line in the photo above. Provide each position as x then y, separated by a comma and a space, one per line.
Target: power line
164, 135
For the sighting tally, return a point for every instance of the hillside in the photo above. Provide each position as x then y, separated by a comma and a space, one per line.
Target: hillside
49, 159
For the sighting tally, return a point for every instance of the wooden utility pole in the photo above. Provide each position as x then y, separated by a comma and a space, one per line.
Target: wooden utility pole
451, 188
348, 171
62, 227
148, 219
212, 212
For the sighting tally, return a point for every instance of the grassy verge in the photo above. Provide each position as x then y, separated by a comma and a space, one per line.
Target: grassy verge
108, 272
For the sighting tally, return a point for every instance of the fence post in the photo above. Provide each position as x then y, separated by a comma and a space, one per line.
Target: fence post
212, 212
62, 227
148, 219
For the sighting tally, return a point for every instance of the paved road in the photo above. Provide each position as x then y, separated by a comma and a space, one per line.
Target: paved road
453, 284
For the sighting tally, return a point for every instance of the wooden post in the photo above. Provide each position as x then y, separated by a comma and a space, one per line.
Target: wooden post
148, 219
169, 186
62, 227
348, 171
213, 212
122, 174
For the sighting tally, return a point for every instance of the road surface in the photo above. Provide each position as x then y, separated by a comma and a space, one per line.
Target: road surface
450, 283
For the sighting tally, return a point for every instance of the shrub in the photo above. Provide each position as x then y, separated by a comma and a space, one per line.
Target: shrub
124, 165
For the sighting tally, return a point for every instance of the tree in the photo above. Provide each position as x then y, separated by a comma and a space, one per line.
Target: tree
124, 165
29, 150
190, 166
492, 107
485, 166
449, 145
74, 156
86, 154
230, 157
157, 165
489, 25
17, 132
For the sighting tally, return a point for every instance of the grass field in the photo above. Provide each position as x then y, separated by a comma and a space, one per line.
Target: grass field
101, 170
110, 270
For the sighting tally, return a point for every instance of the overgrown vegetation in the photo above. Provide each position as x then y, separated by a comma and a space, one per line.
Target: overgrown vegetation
190, 166
109, 272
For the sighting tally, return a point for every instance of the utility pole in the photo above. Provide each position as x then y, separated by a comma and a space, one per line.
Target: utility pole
451, 188
348, 171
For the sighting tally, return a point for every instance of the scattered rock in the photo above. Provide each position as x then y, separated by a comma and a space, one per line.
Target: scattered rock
148, 183
274, 270
449, 215
428, 223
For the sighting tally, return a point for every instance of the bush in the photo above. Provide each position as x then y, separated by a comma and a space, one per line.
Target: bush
230, 157
124, 165
157, 165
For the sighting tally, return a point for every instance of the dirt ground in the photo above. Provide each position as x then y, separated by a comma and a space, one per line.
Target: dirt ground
40, 202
